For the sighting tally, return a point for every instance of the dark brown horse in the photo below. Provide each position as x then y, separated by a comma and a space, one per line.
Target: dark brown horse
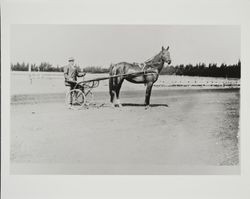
151, 70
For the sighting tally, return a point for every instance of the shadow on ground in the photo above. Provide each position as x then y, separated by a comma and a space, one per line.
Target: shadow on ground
151, 105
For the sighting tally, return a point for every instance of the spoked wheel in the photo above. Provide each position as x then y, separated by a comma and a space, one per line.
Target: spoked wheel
75, 99
92, 84
95, 84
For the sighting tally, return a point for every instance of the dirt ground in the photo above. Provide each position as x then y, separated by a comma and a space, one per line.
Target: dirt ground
198, 127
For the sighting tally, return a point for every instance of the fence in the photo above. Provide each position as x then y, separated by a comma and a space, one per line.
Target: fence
38, 75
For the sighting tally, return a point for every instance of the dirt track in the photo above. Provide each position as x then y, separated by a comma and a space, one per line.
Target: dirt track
197, 127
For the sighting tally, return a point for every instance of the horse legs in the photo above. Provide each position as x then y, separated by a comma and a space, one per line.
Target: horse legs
148, 93
112, 95
112, 90
118, 88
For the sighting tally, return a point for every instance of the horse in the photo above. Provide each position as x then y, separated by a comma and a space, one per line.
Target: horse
151, 70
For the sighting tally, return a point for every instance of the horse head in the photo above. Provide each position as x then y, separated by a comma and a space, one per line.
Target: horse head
165, 55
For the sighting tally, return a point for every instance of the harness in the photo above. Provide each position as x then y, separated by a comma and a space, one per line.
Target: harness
146, 65
149, 63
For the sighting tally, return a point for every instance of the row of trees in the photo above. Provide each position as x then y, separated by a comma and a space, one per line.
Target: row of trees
44, 66
47, 67
212, 70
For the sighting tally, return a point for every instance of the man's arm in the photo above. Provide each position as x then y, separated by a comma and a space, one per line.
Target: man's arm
80, 74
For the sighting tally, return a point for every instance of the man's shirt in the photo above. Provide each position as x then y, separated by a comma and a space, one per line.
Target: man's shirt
71, 73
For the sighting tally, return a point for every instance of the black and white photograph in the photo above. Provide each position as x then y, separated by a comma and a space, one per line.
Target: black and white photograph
125, 99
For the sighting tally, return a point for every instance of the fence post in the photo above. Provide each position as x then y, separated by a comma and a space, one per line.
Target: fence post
30, 77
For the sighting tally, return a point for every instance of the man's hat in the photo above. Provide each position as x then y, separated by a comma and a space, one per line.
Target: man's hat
71, 59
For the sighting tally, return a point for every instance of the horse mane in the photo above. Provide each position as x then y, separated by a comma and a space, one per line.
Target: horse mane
153, 58
150, 63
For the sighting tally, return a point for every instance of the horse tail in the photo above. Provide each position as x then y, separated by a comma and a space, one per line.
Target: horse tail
111, 79
111, 69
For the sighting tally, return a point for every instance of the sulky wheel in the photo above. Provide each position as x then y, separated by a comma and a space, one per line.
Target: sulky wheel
95, 84
75, 98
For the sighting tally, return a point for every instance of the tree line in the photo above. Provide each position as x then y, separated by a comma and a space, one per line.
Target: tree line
47, 67
201, 69
212, 70
44, 67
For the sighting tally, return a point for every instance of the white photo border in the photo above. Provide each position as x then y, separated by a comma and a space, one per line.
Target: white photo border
179, 12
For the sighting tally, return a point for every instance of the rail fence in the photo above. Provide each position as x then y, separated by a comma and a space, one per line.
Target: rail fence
38, 75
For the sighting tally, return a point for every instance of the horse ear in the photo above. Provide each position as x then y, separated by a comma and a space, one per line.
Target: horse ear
162, 48
167, 47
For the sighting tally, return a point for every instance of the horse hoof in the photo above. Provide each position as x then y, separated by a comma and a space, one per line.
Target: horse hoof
119, 105
147, 107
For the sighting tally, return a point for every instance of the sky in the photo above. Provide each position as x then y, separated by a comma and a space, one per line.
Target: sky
101, 45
